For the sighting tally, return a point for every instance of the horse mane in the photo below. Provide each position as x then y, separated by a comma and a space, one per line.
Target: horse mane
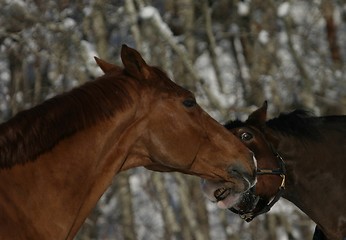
37, 130
298, 123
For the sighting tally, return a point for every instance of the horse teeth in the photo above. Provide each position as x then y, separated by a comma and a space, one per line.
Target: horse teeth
221, 193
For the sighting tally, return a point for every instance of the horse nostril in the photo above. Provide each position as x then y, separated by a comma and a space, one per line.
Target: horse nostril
237, 170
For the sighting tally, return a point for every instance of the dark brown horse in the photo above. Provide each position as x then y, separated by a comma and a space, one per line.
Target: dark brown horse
57, 158
301, 158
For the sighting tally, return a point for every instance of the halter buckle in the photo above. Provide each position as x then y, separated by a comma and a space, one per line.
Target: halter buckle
282, 186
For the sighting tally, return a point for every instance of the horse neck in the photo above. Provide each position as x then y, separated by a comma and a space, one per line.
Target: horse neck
292, 153
314, 176
50, 197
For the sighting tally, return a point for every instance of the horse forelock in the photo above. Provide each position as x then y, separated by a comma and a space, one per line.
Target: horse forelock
37, 130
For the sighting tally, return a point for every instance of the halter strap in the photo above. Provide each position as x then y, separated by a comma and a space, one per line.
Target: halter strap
279, 171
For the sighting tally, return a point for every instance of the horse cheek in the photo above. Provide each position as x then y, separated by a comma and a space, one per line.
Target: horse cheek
167, 148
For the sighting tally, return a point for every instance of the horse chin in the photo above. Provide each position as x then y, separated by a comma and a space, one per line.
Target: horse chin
247, 202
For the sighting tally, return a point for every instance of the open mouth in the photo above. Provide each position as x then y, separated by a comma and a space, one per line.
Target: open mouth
226, 194
221, 193
226, 198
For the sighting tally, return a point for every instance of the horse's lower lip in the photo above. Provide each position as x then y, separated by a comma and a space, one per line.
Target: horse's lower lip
229, 200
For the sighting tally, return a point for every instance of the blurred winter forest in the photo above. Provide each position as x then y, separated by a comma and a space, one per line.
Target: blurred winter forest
233, 54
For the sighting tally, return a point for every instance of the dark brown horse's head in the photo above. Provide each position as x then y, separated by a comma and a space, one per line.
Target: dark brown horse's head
176, 134
253, 134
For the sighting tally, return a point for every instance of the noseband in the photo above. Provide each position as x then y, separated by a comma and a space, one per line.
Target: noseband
281, 171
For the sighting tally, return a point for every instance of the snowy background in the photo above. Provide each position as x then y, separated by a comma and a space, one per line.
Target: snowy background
233, 54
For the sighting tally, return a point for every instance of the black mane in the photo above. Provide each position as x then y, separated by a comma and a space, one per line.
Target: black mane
299, 123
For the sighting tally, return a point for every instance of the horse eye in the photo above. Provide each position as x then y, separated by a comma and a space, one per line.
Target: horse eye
246, 136
189, 103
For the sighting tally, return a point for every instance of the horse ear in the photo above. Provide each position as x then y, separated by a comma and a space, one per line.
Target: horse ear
259, 116
105, 66
134, 63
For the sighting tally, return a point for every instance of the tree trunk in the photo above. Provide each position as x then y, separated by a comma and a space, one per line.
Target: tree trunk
127, 214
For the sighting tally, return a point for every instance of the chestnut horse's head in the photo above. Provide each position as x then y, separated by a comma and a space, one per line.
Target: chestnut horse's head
253, 134
175, 134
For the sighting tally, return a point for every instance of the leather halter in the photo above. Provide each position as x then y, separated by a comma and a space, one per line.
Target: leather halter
281, 171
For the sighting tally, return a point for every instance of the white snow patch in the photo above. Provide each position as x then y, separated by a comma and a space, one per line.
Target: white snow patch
5, 76
151, 14
206, 71
88, 53
281, 233
263, 37
69, 23
148, 12
283, 206
243, 8
87, 11
18, 2
19, 96
283, 9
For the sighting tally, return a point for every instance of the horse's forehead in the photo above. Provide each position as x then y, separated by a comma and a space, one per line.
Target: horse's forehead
169, 89
260, 137
249, 129
160, 80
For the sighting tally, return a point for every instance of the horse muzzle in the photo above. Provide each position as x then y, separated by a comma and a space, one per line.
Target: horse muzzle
228, 194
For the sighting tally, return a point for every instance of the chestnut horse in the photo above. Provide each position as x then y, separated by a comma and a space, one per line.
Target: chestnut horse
301, 158
60, 156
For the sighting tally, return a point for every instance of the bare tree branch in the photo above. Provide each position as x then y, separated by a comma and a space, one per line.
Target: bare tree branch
212, 43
